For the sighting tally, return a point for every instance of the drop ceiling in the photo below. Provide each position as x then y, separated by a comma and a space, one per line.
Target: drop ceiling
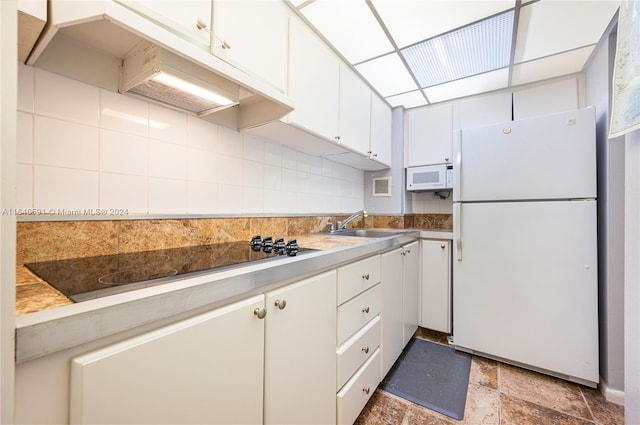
419, 52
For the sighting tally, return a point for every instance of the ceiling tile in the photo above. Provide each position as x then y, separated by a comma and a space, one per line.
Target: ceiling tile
468, 86
388, 75
551, 66
408, 100
473, 49
350, 26
411, 21
547, 27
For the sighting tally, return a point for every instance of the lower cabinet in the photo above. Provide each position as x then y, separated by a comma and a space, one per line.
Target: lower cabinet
300, 366
435, 298
207, 369
268, 359
358, 337
400, 313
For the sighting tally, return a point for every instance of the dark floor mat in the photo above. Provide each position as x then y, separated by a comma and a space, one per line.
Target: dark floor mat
432, 375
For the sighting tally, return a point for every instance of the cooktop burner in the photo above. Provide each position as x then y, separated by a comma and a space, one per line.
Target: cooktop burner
86, 278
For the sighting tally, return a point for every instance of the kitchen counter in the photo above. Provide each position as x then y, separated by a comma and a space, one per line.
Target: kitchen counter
56, 323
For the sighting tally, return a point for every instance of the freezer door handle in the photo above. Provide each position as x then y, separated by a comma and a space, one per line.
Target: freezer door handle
457, 210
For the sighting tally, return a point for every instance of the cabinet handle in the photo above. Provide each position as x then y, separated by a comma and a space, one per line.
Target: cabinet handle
365, 310
365, 349
446, 159
408, 251
281, 304
443, 246
260, 312
366, 390
365, 276
337, 137
225, 45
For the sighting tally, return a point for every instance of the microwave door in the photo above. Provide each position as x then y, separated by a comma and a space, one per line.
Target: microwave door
426, 178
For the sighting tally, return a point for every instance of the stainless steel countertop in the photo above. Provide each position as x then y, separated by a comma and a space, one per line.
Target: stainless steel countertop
49, 331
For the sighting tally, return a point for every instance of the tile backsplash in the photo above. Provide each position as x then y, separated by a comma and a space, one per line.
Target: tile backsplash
81, 148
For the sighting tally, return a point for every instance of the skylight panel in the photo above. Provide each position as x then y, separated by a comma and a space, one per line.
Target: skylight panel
471, 50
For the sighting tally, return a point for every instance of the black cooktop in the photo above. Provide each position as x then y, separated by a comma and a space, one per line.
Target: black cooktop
86, 278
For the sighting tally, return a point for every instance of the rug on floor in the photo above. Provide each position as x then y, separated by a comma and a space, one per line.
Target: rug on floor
432, 375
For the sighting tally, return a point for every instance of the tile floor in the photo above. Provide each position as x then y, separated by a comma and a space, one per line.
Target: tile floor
504, 395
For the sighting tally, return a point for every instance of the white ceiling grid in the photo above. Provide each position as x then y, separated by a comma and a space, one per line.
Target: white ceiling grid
417, 52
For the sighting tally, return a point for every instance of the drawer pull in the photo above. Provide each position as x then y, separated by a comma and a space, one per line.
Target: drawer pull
281, 304
365, 276
443, 246
365, 310
260, 312
366, 390
365, 349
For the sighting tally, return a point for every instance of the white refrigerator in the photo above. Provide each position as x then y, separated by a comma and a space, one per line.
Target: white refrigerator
525, 285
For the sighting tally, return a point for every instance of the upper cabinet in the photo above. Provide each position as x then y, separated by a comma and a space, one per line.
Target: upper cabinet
485, 110
252, 35
32, 17
355, 112
546, 99
380, 138
314, 82
429, 133
190, 19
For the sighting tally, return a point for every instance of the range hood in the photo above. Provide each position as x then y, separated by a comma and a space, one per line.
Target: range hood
107, 45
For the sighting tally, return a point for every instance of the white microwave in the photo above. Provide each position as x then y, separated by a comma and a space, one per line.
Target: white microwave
430, 177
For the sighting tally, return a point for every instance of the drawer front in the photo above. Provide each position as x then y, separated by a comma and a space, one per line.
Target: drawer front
356, 350
357, 312
355, 394
356, 278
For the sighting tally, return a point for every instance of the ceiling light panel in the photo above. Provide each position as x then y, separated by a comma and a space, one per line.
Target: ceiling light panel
551, 66
547, 27
468, 86
388, 75
350, 27
408, 100
471, 50
411, 21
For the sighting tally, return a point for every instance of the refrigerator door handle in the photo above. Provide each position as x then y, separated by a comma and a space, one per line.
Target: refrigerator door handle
457, 166
457, 228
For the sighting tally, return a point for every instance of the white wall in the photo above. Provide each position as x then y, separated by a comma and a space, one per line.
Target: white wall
81, 148
8, 77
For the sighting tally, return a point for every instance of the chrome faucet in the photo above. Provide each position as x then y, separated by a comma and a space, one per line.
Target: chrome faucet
342, 225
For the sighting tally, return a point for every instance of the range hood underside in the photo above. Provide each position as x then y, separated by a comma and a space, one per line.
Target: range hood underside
92, 52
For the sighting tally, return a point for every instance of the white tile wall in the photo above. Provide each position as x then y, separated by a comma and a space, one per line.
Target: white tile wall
84, 148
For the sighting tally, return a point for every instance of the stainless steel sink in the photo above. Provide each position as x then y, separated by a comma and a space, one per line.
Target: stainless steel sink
365, 233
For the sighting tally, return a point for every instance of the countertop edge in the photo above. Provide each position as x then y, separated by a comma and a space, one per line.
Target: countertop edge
49, 331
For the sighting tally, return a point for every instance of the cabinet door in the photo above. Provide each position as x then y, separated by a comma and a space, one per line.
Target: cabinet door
355, 111
181, 17
429, 135
435, 298
380, 141
207, 369
300, 352
314, 72
252, 35
547, 99
411, 282
485, 110
392, 313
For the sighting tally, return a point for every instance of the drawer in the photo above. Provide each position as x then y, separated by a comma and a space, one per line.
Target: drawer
356, 350
357, 312
355, 394
357, 277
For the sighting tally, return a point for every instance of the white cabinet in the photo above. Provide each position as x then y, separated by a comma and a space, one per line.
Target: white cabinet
300, 362
207, 369
411, 285
253, 36
485, 110
314, 80
354, 125
400, 282
435, 297
546, 99
429, 135
380, 139
359, 303
190, 19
